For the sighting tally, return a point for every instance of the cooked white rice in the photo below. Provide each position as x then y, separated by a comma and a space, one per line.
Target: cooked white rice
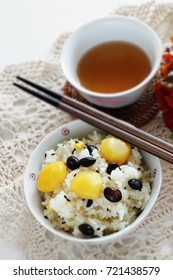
66, 211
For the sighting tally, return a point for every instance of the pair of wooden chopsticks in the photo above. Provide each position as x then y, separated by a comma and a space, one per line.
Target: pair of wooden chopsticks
101, 120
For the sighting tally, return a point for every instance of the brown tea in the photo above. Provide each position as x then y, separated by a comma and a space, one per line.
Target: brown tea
113, 67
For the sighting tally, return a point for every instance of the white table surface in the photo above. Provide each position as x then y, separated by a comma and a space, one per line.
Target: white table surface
28, 30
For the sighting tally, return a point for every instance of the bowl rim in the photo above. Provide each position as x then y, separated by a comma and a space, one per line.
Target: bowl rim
96, 240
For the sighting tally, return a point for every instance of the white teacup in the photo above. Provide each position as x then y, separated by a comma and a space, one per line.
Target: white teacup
115, 28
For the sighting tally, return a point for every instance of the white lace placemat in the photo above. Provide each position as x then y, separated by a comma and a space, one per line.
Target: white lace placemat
25, 120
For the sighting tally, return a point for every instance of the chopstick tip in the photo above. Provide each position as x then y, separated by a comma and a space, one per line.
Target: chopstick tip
18, 77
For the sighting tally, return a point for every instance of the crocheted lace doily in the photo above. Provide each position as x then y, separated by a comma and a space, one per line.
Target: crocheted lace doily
25, 120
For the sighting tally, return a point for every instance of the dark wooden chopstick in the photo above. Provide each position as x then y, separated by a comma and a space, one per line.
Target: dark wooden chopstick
101, 115
92, 116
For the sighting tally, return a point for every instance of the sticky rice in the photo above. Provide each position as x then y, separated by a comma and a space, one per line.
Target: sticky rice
67, 211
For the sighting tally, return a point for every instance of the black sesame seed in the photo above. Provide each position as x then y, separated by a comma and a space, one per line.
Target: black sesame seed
66, 198
98, 228
73, 151
63, 223
89, 202
53, 154
45, 217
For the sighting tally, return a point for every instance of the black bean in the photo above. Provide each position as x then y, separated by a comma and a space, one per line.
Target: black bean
91, 148
87, 161
112, 195
112, 166
86, 229
89, 202
73, 162
135, 184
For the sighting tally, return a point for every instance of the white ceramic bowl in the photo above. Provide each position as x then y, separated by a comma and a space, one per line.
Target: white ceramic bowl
115, 28
72, 130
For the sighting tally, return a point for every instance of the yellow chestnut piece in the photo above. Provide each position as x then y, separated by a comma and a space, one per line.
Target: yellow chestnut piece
79, 144
115, 150
87, 184
51, 176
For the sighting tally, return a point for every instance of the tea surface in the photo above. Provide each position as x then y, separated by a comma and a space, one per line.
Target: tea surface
113, 67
